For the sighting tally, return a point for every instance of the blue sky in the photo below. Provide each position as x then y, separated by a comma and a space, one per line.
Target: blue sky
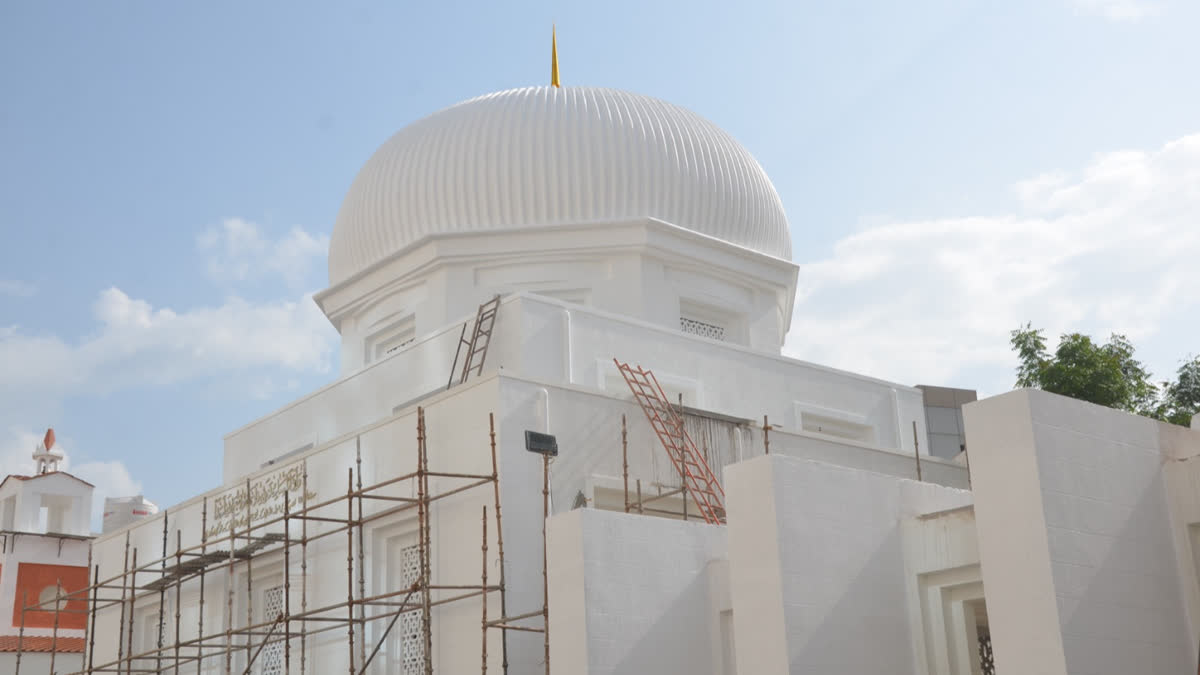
169, 176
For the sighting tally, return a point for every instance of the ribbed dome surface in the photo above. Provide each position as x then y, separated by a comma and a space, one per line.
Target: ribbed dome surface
545, 156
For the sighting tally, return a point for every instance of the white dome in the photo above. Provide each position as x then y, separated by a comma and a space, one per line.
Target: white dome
546, 156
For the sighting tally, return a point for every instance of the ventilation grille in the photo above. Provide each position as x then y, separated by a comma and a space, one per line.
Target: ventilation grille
392, 338
711, 331
412, 639
987, 663
406, 343
272, 653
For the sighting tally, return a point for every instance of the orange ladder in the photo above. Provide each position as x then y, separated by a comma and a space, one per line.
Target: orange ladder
667, 423
481, 337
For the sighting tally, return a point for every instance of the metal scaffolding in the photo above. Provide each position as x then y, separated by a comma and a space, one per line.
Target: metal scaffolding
698, 480
292, 628
699, 488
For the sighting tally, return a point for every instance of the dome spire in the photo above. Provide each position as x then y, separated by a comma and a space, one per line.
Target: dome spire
554, 57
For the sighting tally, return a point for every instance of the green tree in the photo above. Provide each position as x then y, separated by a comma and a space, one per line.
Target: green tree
1107, 374
1181, 398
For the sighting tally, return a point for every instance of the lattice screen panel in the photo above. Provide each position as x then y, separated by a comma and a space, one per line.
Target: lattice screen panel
272, 654
986, 662
407, 342
701, 328
412, 640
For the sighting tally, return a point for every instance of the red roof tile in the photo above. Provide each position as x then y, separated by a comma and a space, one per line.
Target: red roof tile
41, 643
42, 475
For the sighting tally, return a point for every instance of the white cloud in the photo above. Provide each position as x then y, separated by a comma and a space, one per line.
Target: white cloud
135, 344
1109, 249
237, 250
1117, 10
260, 348
16, 289
110, 477
16, 449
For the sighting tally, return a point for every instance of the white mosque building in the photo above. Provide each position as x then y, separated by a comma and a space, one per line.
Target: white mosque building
521, 247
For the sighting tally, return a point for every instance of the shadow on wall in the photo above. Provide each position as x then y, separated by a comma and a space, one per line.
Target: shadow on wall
677, 641
852, 624
1121, 616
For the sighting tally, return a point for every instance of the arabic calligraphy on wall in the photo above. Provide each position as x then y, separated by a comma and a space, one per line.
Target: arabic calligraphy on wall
264, 499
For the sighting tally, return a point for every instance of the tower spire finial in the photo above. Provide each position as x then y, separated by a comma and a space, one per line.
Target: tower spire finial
554, 57
46, 456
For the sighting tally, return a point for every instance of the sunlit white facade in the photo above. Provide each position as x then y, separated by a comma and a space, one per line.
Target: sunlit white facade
618, 226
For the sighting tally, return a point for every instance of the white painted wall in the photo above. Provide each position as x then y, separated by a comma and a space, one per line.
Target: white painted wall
713, 376
827, 585
847, 453
641, 268
587, 422
557, 343
458, 442
1182, 447
817, 567
631, 594
38, 663
941, 555
1075, 538
59, 492
588, 426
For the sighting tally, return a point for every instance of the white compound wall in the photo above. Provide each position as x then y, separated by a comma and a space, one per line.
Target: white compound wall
634, 594
1075, 537
817, 565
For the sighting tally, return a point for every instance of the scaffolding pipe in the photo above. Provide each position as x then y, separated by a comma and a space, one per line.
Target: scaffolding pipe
386, 631
54, 640
87, 628
287, 585
121, 621
304, 567
193, 564
423, 493
499, 543
250, 660
350, 568
249, 572
229, 605
91, 655
203, 552
483, 601
132, 605
625, 461
545, 575
916, 449
178, 594
162, 593
682, 467
362, 583
21, 630
967, 459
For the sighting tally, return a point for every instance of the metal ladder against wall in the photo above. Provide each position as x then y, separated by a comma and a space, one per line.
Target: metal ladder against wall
698, 478
477, 345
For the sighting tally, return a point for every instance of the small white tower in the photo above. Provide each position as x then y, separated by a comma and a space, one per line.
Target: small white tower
121, 511
46, 456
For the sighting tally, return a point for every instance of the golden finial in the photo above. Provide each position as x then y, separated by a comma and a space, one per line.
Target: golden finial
554, 57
